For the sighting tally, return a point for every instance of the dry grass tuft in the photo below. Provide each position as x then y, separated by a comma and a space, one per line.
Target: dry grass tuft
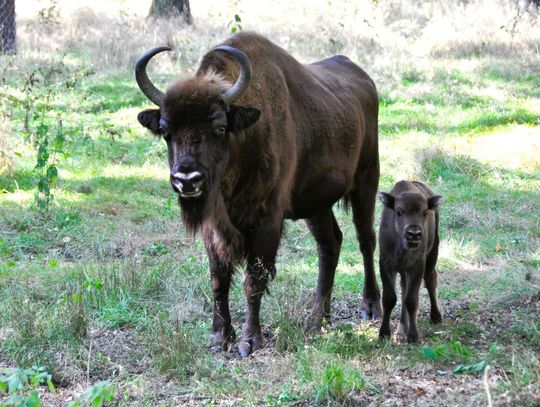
387, 37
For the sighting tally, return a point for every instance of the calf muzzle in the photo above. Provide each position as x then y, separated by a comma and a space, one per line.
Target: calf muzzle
413, 237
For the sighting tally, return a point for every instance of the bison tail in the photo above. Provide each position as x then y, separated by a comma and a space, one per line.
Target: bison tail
345, 202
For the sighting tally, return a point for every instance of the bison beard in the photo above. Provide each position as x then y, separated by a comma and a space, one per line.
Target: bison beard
193, 211
211, 218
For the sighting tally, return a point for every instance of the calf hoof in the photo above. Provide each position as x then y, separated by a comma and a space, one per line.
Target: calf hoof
371, 309
401, 333
222, 340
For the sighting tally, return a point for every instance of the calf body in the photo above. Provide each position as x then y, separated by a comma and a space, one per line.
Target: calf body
409, 244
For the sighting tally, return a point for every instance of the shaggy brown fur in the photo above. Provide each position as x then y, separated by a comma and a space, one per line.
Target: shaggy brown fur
314, 143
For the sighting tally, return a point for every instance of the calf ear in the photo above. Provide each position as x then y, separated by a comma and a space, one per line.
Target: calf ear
387, 199
240, 118
150, 119
434, 201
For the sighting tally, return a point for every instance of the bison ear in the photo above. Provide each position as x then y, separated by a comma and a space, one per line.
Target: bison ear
240, 118
150, 119
387, 199
434, 201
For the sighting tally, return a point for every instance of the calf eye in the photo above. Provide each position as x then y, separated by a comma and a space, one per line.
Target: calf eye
425, 213
399, 213
221, 130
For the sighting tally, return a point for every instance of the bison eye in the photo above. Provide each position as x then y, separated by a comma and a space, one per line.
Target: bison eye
221, 130
399, 213
425, 213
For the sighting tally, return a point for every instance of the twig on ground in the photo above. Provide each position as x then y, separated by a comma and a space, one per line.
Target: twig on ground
486, 387
88, 364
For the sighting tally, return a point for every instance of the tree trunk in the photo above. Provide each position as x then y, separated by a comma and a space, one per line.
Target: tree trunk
8, 31
168, 8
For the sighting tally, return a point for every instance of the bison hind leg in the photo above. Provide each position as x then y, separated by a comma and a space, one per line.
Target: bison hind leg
362, 200
328, 236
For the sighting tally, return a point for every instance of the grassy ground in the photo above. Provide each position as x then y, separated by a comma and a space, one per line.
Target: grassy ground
105, 289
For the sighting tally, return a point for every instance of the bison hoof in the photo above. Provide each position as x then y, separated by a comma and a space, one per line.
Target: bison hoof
314, 324
251, 341
436, 318
371, 309
412, 339
384, 334
247, 346
222, 340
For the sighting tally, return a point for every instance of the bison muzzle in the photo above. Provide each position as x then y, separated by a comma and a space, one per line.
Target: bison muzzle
254, 138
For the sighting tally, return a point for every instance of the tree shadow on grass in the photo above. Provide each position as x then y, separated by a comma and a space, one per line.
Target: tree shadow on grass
484, 202
417, 118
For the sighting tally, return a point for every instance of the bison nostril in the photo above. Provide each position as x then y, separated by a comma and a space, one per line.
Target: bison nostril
187, 183
192, 177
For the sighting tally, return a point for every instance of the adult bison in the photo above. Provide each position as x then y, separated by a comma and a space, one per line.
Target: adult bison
254, 138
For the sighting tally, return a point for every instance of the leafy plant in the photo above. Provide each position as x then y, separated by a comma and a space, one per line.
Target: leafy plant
15, 382
32, 400
338, 381
96, 395
235, 24
42, 86
475, 368
446, 351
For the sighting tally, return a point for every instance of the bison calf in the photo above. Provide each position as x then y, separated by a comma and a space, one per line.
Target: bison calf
409, 244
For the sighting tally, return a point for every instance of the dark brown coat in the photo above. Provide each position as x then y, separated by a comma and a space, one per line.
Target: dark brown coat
300, 138
408, 244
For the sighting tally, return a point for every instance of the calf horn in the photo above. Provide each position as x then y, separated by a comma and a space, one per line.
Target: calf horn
234, 92
147, 87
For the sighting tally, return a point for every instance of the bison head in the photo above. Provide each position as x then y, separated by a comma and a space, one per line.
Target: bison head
411, 211
197, 118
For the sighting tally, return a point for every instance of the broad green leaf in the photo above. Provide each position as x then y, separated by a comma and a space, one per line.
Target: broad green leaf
429, 353
33, 400
476, 368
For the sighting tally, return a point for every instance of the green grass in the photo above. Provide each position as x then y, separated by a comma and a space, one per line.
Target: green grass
107, 286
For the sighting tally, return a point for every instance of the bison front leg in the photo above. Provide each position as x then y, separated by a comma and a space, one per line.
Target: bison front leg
262, 249
223, 335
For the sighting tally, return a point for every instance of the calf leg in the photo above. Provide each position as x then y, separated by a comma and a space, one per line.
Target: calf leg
389, 298
262, 248
411, 304
223, 335
403, 327
326, 231
430, 280
362, 200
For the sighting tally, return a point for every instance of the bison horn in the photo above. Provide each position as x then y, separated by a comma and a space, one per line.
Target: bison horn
147, 87
242, 83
